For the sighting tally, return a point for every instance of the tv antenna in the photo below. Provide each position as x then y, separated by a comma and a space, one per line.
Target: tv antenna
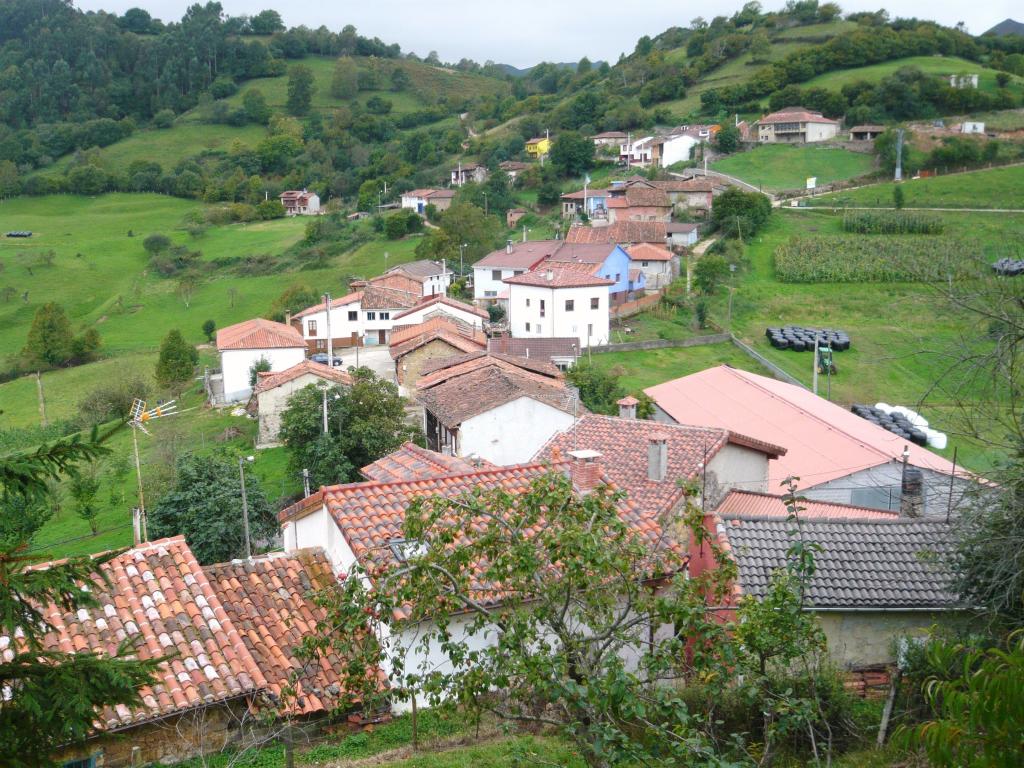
138, 418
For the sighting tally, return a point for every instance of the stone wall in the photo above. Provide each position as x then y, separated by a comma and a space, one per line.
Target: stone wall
408, 367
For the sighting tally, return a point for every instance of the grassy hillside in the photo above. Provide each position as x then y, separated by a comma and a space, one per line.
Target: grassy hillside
989, 188
934, 65
775, 167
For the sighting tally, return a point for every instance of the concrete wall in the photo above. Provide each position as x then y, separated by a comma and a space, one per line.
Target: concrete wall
588, 325
862, 638
511, 433
821, 131
235, 365
273, 402
736, 467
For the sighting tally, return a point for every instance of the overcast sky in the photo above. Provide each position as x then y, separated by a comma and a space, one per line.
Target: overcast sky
529, 31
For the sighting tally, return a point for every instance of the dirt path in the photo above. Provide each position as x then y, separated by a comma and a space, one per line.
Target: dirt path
905, 208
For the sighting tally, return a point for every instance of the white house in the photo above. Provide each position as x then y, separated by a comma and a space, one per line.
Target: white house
796, 125
560, 301
682, 234
674, 148
972, 127
243, 345
494, 407
270, 398
658, 264
362, 318
838, 456
468, 172
300, 202
513, 259
609, 138
963, 81
430, 278
418, 199
636, 151
434, 306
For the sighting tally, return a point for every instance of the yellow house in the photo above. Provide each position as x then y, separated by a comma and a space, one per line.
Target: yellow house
539, 147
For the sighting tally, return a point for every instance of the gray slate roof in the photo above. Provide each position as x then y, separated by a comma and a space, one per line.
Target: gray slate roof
864, 564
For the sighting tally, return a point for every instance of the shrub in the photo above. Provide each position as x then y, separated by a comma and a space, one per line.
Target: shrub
163, 119
710, 270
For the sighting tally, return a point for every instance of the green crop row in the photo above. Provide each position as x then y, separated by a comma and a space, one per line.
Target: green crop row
891, 223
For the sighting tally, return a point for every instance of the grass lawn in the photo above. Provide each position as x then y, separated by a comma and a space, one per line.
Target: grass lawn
988, 188
169, 145
656, 323
639, 370
897, 329
780, 166
932, 65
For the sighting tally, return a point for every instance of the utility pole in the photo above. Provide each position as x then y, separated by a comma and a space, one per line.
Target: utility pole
485, 203
462, 250
305, 482
324, 390
245, 504
814, 370
899, 155
142, 501
330, 340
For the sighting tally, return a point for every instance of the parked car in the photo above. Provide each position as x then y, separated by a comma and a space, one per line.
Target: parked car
321, 357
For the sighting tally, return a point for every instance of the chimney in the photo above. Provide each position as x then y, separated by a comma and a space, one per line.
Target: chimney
586, 472
287, 318
911, 496
508, 246
627, 407
657, 457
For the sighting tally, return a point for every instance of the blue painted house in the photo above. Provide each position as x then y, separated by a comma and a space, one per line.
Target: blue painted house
606, 260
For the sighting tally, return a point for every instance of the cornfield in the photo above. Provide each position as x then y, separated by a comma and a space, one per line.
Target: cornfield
852, 259
891, 223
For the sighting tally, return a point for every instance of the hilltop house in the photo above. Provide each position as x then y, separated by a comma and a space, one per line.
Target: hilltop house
270, 398
364, 317
468, 172
638, 200
609, 139
694, 195
538, 147
243, 345
837, 455
866, 132
795, 125
494, 407
418, 199
428, 278
513, 259
513, 168
682, 234
300, 203
963, 81
657, 263
593, 202
558, 301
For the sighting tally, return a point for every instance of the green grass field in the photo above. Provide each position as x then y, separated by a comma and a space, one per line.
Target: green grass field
990, 188
775, 167
933, 65
639, 370
169, 145
427, 83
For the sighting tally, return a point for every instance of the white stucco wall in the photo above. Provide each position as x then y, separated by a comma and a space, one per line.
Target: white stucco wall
590, 326
484, 284
235, 365
341, 326
417, 317
511, 433
739, 468
821, 131
677, 150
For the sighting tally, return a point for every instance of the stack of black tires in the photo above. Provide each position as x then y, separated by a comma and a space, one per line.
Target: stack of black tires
1009, 267
896, 423
800, 339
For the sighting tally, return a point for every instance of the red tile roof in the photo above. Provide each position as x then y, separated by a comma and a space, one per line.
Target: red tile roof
160, 598
259, 333
553, 276
420, 269
411, 462
648, 252
522, 256
752, 504
619, 232
335, 303
644, 197
579, 194
270, 601
371, 515
446, 301
455, 366
623, 446
543, 348
442, 328
795, 115
824, 441
580, 253
266, 380
379, 297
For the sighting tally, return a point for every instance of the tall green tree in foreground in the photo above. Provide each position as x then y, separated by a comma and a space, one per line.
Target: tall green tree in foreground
50, 697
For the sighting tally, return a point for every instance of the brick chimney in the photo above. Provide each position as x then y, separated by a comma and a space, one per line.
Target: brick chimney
627, 407
586, 472
657, 457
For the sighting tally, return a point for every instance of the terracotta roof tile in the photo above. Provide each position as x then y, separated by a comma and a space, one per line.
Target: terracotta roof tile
411, 462
543, 348
522, 256
268, 380
259, 333
456, 335
649, 252
621, 232
439, 370
379, 297
550, 275
752, 504
443, 301
795, 115
335, 303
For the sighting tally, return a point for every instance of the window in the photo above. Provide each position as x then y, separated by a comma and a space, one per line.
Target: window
311, 327
353, 316
595, 303
82, 762
643, 263
542, 307
618, 275
517, 272
371, 315
385, 315
569, 305
527, 302
490, 294
881, 497
527, 327
495, 274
